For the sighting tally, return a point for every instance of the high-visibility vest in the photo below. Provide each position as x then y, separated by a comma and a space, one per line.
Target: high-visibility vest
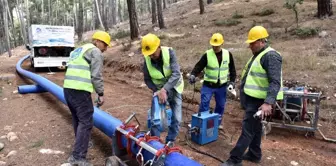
157, 77
215, 71
257, 84
78, 73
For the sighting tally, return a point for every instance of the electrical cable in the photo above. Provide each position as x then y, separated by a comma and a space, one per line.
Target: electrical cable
200, 151
186, 114
189, 132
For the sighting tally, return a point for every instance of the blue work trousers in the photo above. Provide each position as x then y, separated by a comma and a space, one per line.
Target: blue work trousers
220, 97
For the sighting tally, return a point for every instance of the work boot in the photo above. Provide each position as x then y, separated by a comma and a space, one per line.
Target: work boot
83, 163
251, 159
78, 162
231, 163
71, 159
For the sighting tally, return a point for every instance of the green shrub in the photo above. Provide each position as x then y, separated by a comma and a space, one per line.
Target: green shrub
228, 22
306, 32
264, 12
236, 15
120, 34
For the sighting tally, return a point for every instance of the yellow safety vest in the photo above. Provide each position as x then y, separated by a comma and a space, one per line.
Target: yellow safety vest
214, 71
257, 84
78, 74
157, 77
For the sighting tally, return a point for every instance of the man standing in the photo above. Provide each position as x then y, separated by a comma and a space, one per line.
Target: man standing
162, 75
218, 64
261, 84
83, 75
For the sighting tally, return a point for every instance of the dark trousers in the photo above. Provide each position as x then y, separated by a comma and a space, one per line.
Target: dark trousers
251, 133
81, 107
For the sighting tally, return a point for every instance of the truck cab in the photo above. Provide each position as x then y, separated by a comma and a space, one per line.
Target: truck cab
50, 46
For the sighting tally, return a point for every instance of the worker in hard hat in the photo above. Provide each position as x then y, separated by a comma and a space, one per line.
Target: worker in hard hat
261, 86
162, 75
219, 74
82, 77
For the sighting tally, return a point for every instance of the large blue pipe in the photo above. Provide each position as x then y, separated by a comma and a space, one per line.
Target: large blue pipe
23, 89
105, 122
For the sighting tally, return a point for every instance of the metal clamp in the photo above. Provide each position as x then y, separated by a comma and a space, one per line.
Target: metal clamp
149, 162
141, 160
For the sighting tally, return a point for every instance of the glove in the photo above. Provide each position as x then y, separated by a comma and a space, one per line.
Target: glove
230, 86
231, 89
192, 79
99, 101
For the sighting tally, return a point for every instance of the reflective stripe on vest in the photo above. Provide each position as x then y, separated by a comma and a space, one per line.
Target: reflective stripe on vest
214, 71
78, 74
157, 77
257, 84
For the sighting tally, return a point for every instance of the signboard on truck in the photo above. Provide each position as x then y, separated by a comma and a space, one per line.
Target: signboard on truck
50, 36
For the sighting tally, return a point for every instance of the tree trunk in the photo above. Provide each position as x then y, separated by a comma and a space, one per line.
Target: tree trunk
148, 6
5, 4
209, 1
133, 19
160, 15
104, 14
93, 17
75, 9
164, 4
28, 16
42, 7
114, 12
85, 23
201, 4
80, 21
324, 8
49, 12
10, 15
139, 7
125, 15
22, 24
120, 11
98, 13
154, 19
97, 22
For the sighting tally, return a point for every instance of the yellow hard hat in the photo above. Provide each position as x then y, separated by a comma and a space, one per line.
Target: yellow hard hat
217, 39
102, 36
256, 33
149, 44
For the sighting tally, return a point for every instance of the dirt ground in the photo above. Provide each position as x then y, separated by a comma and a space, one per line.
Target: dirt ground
42, 122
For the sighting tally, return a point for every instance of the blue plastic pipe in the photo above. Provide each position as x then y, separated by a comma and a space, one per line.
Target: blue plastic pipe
105, 122
23, 89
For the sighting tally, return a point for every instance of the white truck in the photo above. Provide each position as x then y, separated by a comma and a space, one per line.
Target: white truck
50, 46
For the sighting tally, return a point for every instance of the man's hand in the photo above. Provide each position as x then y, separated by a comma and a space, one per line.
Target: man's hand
162, 94
266, 110
100, 101
192, 79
